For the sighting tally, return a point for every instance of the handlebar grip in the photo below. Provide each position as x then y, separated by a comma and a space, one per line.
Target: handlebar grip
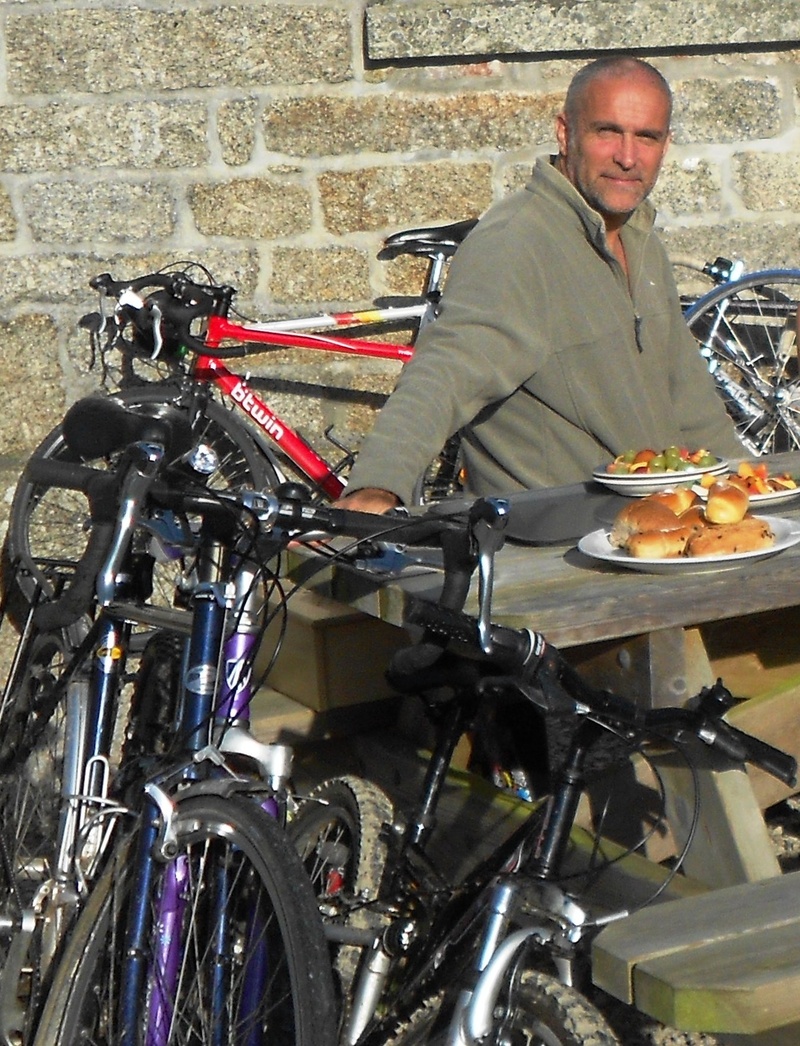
441, 621
409, 667
55, 472
742, 747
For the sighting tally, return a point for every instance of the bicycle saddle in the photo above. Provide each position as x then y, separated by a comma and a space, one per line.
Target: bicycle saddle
437, 239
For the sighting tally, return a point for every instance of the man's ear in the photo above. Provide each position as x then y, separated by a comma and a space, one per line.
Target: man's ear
562, 133
665, 150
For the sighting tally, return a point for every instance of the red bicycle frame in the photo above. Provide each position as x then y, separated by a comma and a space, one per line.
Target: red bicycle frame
211, 369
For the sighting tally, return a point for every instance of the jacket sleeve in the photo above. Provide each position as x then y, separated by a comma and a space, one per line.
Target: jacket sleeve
469, 357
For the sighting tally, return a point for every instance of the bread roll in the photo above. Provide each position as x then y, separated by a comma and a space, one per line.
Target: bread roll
727, 539
737, 481
679, 499
726, 503
659, 544
640, 516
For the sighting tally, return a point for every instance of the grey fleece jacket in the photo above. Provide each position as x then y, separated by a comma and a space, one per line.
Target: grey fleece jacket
547, 358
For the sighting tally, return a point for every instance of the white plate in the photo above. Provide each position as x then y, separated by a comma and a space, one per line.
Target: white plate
636, 485
758, 499
597, 546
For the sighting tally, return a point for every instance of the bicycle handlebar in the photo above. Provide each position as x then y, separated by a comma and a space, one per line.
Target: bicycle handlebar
542, 674
163, 306
102, 492
97, 426
703, 719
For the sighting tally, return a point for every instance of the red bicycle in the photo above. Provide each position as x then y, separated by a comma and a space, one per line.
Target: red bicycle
181, 321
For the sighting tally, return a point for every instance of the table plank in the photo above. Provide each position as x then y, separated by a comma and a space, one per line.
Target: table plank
723, 961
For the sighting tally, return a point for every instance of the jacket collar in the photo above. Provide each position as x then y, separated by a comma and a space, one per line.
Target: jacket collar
547, 177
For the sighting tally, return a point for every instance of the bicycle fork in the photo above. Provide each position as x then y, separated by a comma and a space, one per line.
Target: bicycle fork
84, 821
548, 916
216, 720
556, 925
155, 848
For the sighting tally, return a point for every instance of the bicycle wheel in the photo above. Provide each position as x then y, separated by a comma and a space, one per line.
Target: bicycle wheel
444, 477
151, 730
543, 1012
748, 332
339, 834
47, 529
540, 1012
32, 729
253, 963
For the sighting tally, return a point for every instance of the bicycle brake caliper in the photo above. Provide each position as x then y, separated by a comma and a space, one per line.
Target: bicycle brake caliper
166, 844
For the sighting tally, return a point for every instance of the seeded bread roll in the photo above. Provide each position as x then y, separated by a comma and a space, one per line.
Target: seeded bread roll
659, 544
727, 539
639, 517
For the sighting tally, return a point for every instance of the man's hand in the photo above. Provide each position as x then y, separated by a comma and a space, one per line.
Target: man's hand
368, 499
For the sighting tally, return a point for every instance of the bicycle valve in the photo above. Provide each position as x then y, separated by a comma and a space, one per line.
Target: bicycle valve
490, 516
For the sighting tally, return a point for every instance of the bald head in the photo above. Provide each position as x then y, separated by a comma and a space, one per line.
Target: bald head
609, 68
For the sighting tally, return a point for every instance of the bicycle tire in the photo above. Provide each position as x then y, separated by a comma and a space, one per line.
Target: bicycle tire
295, 1004
541, 1012
445, 475
32, 732
748, 333
47, 526
339, 834
151, 730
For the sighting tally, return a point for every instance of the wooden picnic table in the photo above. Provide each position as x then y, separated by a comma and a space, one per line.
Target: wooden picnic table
657, 637
583, 604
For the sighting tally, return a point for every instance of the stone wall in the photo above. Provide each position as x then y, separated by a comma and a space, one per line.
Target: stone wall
278, 142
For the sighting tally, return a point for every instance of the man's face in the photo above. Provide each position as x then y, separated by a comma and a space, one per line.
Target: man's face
613, 152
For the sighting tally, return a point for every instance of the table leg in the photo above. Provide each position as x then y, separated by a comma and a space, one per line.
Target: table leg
658, 669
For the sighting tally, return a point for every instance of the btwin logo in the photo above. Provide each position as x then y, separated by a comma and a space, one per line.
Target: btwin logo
237, 676
257, 411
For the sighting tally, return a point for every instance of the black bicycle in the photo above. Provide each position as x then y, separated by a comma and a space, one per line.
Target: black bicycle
502, 954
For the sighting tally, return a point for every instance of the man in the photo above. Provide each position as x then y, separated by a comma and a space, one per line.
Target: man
560, 342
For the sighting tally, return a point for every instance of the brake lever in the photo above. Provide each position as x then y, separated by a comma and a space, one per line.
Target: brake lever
146, 459
158, 340
489, 519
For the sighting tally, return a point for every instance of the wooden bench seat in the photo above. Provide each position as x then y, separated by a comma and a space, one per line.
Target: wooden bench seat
725, 961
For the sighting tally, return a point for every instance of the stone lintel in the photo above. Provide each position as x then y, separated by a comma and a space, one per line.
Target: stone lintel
419, 29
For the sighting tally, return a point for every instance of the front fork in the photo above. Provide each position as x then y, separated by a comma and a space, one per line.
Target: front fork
548, 916
86, 820
215, 716
555, 925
